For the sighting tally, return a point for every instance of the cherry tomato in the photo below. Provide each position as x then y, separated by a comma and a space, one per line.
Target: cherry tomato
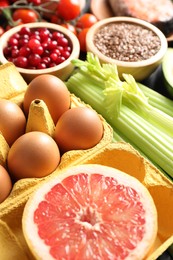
68, 9
82, 39
86, 21
4, 3
70, 27
25, 15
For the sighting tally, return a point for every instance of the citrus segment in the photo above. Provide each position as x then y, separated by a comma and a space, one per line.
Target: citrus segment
90, 212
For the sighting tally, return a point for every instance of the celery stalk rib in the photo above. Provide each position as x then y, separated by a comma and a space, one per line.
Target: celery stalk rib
158, 100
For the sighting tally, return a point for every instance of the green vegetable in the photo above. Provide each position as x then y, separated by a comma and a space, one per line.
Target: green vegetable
126, 108
157, 100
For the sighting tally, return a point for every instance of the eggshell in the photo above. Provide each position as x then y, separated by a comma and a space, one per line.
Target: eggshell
52, 91
78, 128
12, 121
5, 184
34, 154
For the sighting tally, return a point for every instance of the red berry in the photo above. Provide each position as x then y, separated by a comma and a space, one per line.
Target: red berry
33, 43
63, 42
25, 30
21, 62
53, 56
34, 59
24, 51
41, 66
13, 41
14, 53
52, 45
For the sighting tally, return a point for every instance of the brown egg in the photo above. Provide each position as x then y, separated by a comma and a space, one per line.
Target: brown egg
52, 91
78, 128
12, 121
34, 154
5, 184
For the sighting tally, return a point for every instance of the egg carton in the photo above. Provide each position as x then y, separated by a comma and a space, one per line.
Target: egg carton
119, 155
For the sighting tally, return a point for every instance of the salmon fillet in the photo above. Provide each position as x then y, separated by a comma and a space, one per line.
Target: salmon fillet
157, 12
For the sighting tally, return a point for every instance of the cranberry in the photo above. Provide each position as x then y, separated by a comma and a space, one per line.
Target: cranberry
37, 48
36, 37
60, 48
13, 41
52, 45
46, 60
24, 36
24, 51
52, 64
53, 56
25, 30
41, 66
22, 42
65, 54
44, 34
21, 61
34, 59
60, 59
46, 53
33, 43
57, 51
35, 32
63, 42
57, 35
14, 53
16, 35
45, 43
67, 48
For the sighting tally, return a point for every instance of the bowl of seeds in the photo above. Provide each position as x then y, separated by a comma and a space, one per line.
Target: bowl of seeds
40, 48
135, 46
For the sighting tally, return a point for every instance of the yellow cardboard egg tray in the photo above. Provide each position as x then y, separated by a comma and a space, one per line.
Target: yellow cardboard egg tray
119, 155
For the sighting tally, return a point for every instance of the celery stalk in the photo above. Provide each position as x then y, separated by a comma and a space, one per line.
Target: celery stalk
157, 100
94, 84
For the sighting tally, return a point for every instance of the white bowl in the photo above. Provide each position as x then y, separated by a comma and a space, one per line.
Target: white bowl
62, 70
138, 69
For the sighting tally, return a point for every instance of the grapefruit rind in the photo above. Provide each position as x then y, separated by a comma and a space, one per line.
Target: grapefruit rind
38, 247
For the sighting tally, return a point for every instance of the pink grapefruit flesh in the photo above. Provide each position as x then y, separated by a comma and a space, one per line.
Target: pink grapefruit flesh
90, 212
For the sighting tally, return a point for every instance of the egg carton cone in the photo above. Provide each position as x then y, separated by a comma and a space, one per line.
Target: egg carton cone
119, 155
39, 118
12, 86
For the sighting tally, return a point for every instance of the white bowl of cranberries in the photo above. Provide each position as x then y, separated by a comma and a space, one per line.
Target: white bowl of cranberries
40, 48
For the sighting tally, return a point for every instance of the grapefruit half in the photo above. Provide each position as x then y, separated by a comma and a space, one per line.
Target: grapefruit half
90, 212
